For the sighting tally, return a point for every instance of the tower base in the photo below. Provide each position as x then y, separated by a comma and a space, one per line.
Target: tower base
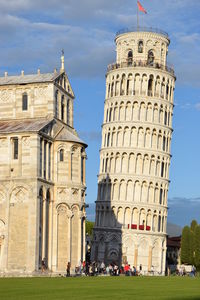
145, 251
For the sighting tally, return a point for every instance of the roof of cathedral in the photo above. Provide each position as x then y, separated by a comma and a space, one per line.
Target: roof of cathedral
35, 125
66, 135
22, 125
31, 78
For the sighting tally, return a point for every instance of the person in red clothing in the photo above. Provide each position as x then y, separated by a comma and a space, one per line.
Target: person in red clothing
126, 269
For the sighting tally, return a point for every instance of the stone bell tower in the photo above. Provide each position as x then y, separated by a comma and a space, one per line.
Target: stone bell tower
133, 181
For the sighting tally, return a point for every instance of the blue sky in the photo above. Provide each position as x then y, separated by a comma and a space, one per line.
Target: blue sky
32, 34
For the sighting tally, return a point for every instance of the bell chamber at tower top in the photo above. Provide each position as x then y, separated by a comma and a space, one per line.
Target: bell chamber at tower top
139, 48
141, 66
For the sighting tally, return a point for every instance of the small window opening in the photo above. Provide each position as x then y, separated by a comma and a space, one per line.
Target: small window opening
56, 104
15, 148
150, 58
130, 58
162, 169
161, 195
25, 102
61, 155
62, 108
140, 47
150, 86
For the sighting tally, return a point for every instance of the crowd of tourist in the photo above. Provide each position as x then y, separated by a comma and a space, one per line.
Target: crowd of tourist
181, 271
96, 268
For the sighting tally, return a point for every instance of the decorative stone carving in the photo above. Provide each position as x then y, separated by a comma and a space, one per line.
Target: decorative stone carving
19, 195
63, 194
75, 191
6, 96
3, 142
26, 140
62, 209
2, 197
41, 92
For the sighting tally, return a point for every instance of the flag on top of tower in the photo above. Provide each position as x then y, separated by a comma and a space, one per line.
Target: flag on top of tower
141, 8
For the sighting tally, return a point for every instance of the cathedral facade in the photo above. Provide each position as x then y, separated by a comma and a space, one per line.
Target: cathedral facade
133, 181
42, 175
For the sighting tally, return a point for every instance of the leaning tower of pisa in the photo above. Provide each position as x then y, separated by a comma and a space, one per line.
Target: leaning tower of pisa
133, 181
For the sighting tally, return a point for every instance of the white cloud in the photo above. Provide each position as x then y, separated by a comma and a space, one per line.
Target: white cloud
33, 33
183, 201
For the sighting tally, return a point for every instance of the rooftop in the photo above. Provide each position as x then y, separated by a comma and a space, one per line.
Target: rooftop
31, 78
66, 135
30, 125
142, 29
35, 125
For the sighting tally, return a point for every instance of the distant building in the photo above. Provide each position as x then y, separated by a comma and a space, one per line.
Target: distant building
133, 181
42, 175
174, 250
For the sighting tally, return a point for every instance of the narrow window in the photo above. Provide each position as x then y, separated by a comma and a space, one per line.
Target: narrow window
62, 108
161, 195
61, 155
130, 58
106, 166
164, 143
108, 139
40, 157
167, 91
82, 166
49, 160
150, 86
109, 90
165, 120
68, 115
162, 169
112, 88
107, 115
56, 104
45, 158
104, 140
110, 115
140, 47
159, 223
150, 58
25, 102
15, 148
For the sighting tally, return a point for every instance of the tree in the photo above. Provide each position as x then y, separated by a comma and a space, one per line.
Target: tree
89, 227
197, 247
191, 247
193, 225
185, 245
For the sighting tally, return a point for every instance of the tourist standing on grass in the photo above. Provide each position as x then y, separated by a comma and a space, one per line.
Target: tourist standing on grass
115, 270
107, 270
68, 269
126, 269
193, 270
43, 265
140, 269
110, 269
102, 267
135, 271
84, 267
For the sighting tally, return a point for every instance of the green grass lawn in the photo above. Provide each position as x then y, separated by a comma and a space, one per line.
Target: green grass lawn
100, 288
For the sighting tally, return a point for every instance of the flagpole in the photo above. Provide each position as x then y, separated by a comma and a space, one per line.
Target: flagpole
137, 18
